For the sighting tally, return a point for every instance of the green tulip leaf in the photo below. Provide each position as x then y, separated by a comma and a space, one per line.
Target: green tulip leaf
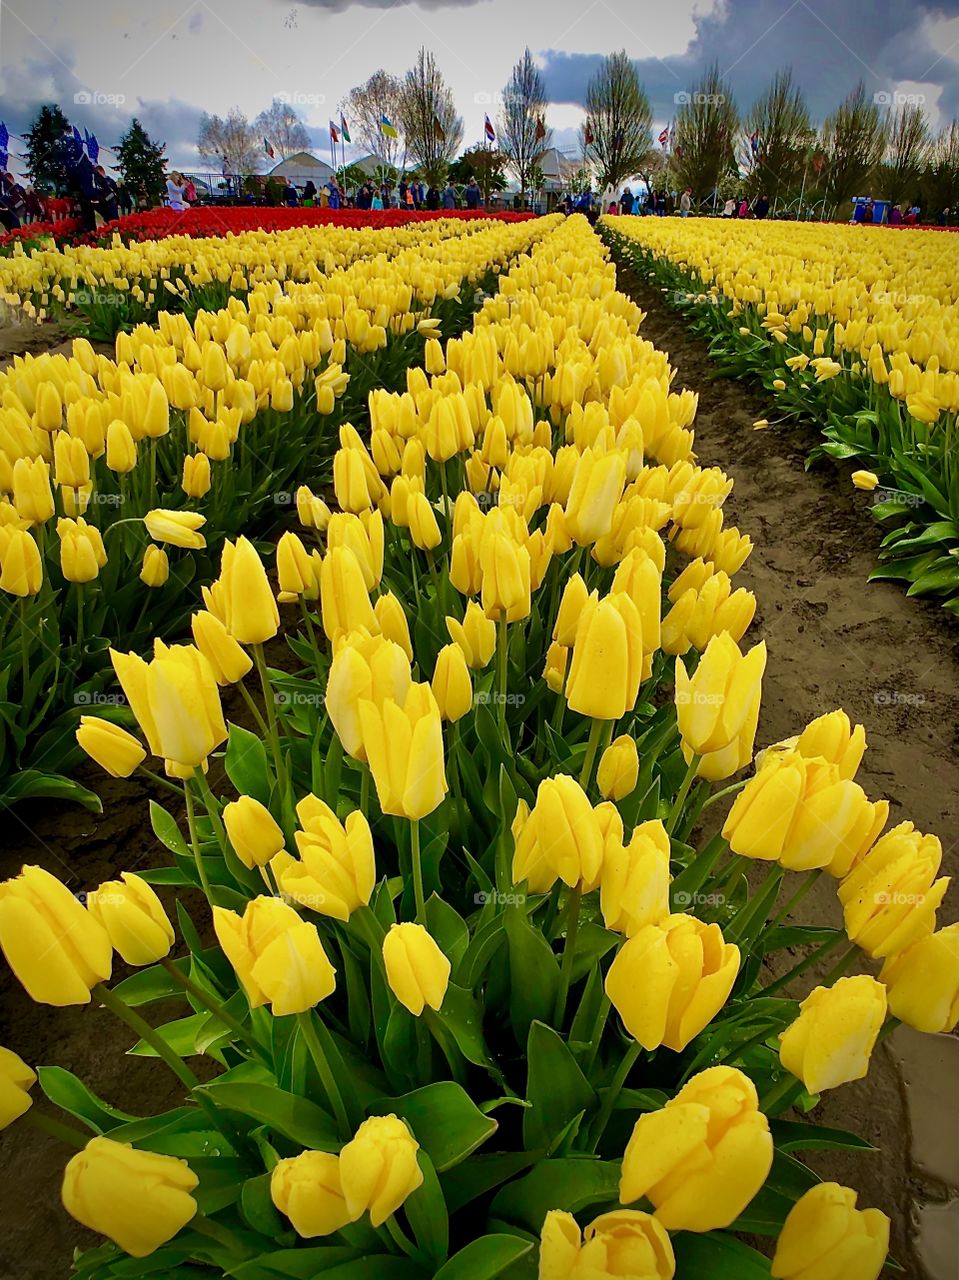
720, 1257
793, 1135
257, 1208
70, 1094
485, 1258
445, 1121
295, 1264
573, 1182
247, 765
427, 1214
556, 1088
166, 830
533, 974
296, 1118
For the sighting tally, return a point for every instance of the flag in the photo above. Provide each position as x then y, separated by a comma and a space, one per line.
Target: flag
268, 148
540, 129
344, 131
334, 132
93, 147
388, 128
439, 133
489, 130
588, 138
4, 135
664, 137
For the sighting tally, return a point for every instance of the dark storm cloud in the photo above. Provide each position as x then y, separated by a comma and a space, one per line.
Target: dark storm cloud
829, 46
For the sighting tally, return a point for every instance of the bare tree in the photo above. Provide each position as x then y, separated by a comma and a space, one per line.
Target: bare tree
705, 134
523, 135
779, 137
852, 142
616, 134
283, 128
432, 128
942, 174
231, 139
908, 141
366, 105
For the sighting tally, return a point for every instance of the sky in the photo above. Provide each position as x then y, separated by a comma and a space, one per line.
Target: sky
167, 61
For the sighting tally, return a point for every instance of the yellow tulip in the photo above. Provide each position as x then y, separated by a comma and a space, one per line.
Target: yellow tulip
16, 1081
607, 663
228, 661
451, 683
133, 917
416, 969
561, 838
32, 495
404, 745
624, 1242
718, 708
114, 750
71, 460
121, 448
336, 870
826, 1236
618, 770
364, 667
867, 480
250, 614
702, 1157
176, 702
52, 943
379, 1169
596, 489
922, 982
344, 596
634, 885
138, 1199
197, 478
833, 737
391, 616
475, 635
179, 528
278, 957
253, 831
832, 1039
307, 1189
891, 895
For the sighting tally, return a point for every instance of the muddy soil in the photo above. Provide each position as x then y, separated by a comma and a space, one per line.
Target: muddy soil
834, 640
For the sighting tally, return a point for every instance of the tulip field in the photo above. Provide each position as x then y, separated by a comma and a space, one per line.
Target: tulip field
455, 968
855, 328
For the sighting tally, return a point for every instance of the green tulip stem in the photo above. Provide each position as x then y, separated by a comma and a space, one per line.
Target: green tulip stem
195, 842
116, 1005
454, 771
26, 638
627, 1062
399, 1237
417, 860
807, 962
797, 897
321, 1062
212, 807
558, 712
596, 730
310, 629
448, 1046
253, 709
57, 1129
212, 1005
721, 795
159, 781
79, 587
569, 954
447, 514
274, 735
676, 812
267, 879
887, 1028
502, 672
843, 963
365, 790
781, 1096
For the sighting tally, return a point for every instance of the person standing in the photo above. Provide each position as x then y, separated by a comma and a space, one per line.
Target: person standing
761, 207
309, 194
626, 200
174, 191
449, 196
685, 203
432, 199
473, 194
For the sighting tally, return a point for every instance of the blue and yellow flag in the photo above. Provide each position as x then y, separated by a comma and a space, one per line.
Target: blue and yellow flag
388, 128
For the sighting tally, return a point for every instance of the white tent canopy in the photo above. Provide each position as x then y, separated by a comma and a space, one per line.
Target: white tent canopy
300, 168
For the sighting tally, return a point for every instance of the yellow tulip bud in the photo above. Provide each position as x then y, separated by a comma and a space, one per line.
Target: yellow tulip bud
561, 838
16, 1081
423, 525
379, 1169
156, 567
416, 969
607, 663
197, 479
826, 1235
364, 667
336, 870
833, 737
557, 660
114, 750
718, 709
505, 571
634, 885
22, 571
49, 407
832, 1039
253, 831
133, 917
312, 512
179, 528
214, 370
596, 489
295, 569
52, 943
891, 895
475, 635
278, 957
229, 662
71, 460
156, 419
702, 1157
922, 982
121, 448
344, 597
671, 979
393, 622
404, 745
78, 552
867, 480
32, 495
571, 606
138, 1199
618, 770
175, 700
249, 607
451, 683
622, 1243
307, 1189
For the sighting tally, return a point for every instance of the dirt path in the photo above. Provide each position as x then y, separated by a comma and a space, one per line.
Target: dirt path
835, 641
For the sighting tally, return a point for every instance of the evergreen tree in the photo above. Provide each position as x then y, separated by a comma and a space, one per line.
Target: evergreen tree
47, 144
141, 163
